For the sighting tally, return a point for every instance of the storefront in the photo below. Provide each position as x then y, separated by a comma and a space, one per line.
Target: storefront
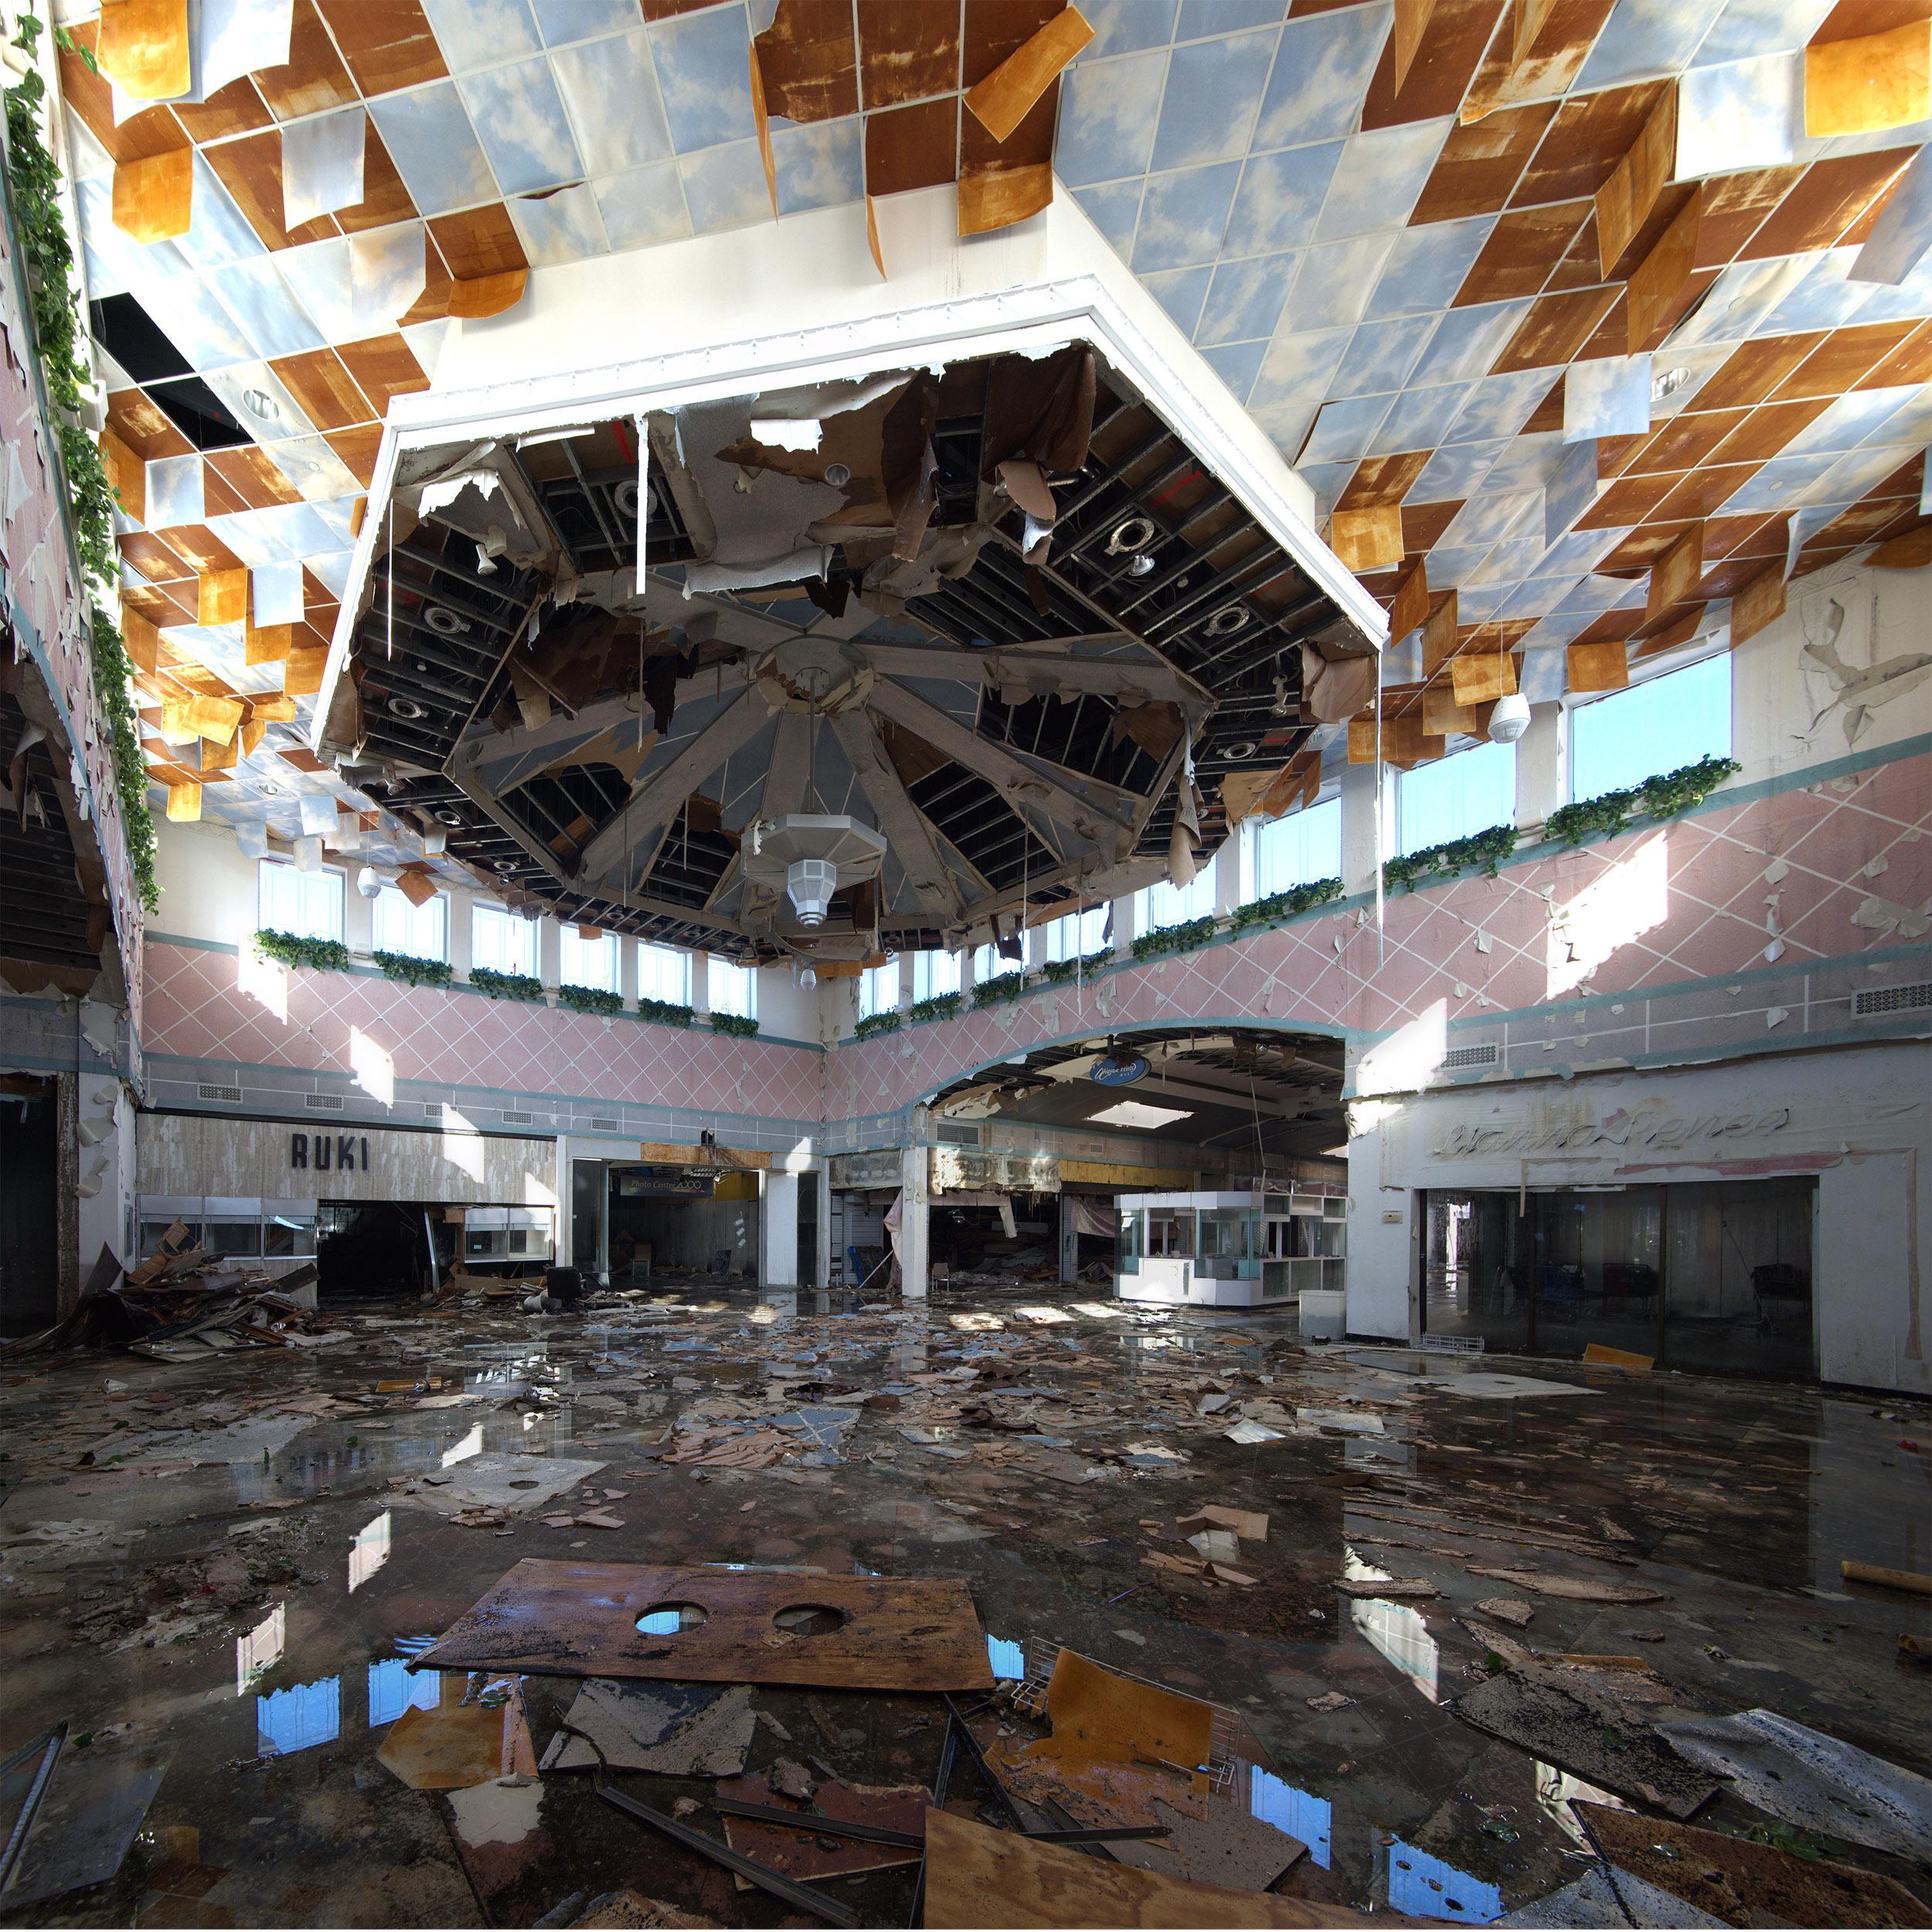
1731, 1219
380, 1210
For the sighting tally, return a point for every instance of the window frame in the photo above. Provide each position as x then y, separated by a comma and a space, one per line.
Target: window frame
649, 954
606, 943
1255, 830
441, 900
508, 921
263, 923
742, 979
1440, 836
923, 986
1581, 710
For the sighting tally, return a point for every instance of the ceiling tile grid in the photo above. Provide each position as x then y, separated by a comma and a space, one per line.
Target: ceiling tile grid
1387, 232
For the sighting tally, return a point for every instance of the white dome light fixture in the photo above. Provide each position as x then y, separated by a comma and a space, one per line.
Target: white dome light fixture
1510, 719
368, 883
811, 856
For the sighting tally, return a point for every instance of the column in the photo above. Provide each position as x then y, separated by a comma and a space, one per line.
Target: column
628, 969
1123, 929
358, 914
1227, 873
461, 931
1359, 860
1069, 1243
550, 951
1542, 766
778, 1229
915, 1200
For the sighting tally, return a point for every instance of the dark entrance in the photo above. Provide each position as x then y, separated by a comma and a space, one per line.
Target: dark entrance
1713, 1275
29, 1204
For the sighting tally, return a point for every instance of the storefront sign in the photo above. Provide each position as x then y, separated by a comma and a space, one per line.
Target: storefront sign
319, 1153
1651, 1129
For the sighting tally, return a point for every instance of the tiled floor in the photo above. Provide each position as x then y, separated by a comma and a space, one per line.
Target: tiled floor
243, 1705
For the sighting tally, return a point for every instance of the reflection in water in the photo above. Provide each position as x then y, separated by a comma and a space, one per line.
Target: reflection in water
1397, 1632
260, 1650
470, 1445
294, 1719
1424, 1886
1007, 1658
1290, 1809
392, 1690
1554, 1791
368, 1553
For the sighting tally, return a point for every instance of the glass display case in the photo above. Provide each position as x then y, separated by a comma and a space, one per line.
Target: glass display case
1244, 1249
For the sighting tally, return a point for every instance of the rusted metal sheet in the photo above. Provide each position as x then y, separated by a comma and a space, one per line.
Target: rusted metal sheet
580, 1619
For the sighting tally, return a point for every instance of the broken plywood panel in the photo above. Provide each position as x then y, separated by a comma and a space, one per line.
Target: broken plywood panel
684, 1730
568, 1619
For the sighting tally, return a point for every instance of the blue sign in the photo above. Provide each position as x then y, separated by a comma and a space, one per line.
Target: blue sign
1119, 1069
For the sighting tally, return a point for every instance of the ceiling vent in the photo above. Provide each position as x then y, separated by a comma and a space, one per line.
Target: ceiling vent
1462, 1057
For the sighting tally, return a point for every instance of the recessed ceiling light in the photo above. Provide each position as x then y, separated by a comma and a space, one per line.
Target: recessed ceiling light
449, 817
506, 865
258, 402
1225, 622
1668, 383
1142, 566
1139, 1113
407, 708
445, 621
1130, 534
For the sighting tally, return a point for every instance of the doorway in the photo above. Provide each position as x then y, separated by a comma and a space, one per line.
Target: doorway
29, 1204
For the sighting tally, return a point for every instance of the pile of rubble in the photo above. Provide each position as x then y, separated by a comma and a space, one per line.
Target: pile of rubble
182, 1304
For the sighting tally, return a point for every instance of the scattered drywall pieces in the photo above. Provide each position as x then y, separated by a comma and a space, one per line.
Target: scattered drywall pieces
1216, 1545
579, 1619
1098, 1714
1742, 1883
1812, 1780
1329, 1701
977, 1876
1607, 1897
629, 1911
1602, 1357
452, 1745
1246, 1431
501, 1811
1387, 1587
680, 1730
1574, 1725
1225, 1846
513, 1483
1251, 1525
1854, 1572
93, 1805
803, 1853
1575, 1590
1508, 1610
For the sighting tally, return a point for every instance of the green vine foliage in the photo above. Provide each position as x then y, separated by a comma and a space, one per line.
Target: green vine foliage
410, 971
664, 1011
736, 1025
33, 185
1285, 905
1058, 972
324, 955
1662, 797
875, 1024
940, 1006
998, 990
1484, 850
1182, 938
504, 985
592, 999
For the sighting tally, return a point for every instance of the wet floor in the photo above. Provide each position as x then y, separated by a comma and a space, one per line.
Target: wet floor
217, 1576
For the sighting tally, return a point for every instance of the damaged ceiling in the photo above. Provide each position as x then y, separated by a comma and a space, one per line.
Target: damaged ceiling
996, 612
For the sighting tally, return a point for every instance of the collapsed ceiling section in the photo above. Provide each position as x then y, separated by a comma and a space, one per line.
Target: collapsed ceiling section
985, 637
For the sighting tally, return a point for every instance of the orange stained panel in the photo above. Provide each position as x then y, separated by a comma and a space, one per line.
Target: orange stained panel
1423, 524
1910, 362
152, 131
1589, 135
236, 109
908, 50
1704, 491
479, 242
1523, 247
1536, 54
1844, 356
147, 554
324, 388
1380, 480
313, 79
357, 447
247, 471
1452, 45
1480, 164
1629, 500
1753, 372
143, 426
1832, 197
1683, 440
200, 548
1734, 208
387, 46
1765, 431
384, 367
913, 147
1555, 329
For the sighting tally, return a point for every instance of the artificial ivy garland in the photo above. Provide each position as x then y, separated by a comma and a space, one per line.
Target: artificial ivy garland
874, 1023
292, 949
734, 1024
484, 979
590, 999
33, 183
998, 990
1182, 938
1285, 905
1486, 850
408, 970
664, 1011
1662, 797
940, 1006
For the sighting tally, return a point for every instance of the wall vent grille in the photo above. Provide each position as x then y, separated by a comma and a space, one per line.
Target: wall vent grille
1471, 1056
602, 1124
231, 1094
324, 1102
1875, 1001
958, 1134
433, 1110
513, 1118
